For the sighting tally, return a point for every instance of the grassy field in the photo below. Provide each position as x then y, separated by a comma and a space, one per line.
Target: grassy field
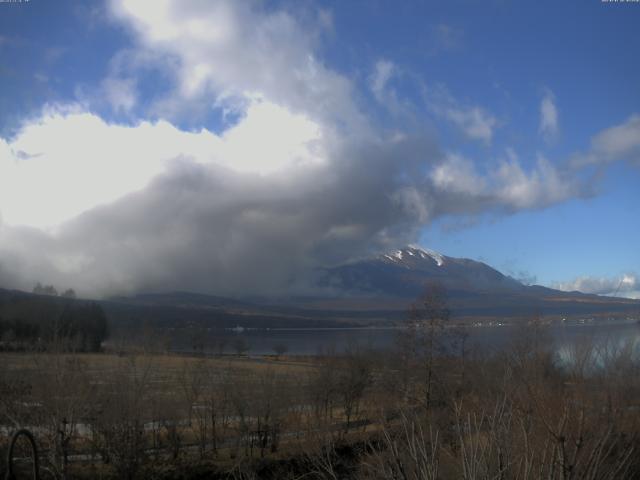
166, 407
363, 415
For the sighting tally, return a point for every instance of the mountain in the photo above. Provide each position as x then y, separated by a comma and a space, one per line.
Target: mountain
474, 289
371, 291
403, 273
376, 290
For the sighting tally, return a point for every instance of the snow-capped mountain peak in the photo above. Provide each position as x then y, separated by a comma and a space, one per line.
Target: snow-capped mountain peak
415, 252
425, 252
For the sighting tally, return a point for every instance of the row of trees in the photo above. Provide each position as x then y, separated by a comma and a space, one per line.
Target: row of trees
52, 291
28, 321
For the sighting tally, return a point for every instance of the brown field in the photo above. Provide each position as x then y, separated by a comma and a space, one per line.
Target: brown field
412, 413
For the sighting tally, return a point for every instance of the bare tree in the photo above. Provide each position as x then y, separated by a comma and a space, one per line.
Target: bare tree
280, 349
192, 380
69, 293
120, 415
240, 345
354, 377
421, 340
405, 451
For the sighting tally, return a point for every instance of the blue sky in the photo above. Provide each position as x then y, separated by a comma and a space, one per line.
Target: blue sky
502, 131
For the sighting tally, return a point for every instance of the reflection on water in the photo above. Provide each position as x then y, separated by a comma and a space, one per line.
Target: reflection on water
597, 346
566, 338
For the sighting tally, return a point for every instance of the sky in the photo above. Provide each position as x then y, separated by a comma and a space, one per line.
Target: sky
233, 147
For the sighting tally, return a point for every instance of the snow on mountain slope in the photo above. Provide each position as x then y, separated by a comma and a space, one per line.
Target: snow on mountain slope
416, 252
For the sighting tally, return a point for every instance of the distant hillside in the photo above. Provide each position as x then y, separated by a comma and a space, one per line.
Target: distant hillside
182, 309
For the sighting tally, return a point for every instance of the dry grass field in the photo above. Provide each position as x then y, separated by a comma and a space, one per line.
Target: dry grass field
409, 413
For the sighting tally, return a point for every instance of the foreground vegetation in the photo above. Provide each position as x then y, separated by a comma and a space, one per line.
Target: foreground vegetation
415, 413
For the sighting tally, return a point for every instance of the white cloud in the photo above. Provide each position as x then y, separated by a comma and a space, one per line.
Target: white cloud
617, 143
458, 174
446, 37
325, 19
475, 122
153, 206
382, 73
509, 187
120, 93
68, 162
548, 115
544, 185
620, 142
381, 84
231, 49
626, 285
199, 226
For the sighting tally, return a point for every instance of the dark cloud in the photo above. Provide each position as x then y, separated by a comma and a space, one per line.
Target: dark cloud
207, 228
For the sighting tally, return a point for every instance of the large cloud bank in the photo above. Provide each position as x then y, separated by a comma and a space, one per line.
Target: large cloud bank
301, 178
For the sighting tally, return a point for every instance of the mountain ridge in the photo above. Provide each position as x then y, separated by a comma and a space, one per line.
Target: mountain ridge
405, 271
379, 290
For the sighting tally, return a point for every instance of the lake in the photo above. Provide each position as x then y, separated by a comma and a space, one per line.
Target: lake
315, 341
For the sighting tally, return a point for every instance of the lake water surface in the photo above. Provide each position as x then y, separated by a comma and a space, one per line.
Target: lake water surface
338, 340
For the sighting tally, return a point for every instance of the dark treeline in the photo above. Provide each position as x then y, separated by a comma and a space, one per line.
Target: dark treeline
27, 321
123, 315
